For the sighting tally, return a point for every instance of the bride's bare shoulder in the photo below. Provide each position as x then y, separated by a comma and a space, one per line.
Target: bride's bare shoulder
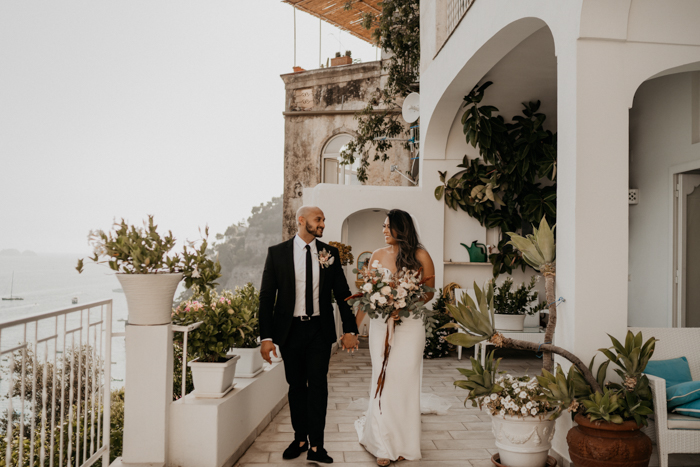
423, 256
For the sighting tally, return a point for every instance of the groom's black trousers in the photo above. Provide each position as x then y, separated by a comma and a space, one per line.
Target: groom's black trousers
306, 355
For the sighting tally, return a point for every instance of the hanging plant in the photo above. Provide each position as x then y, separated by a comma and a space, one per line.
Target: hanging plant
513, 182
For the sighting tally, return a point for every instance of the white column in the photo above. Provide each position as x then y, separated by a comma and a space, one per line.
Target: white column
148, 394
592, 207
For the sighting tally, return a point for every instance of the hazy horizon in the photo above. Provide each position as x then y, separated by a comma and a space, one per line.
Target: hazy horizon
170, 108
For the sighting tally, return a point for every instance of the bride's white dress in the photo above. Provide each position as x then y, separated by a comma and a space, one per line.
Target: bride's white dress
395, 429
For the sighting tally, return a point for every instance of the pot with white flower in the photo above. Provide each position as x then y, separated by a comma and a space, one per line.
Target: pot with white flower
511, 306
520, 418
148, 273
245, 302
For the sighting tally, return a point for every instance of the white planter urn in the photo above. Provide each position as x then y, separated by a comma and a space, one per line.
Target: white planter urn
509, 322
213, 379
149, 297
523, 442
250, 364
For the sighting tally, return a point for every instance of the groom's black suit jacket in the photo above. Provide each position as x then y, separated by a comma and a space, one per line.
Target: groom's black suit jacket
278, 294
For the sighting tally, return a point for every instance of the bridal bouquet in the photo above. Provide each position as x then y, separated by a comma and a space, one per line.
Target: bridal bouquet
399, 295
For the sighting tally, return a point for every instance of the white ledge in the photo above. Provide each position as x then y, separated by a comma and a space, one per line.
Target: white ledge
216, 432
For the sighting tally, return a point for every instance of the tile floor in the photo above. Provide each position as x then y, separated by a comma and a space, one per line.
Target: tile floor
461, 438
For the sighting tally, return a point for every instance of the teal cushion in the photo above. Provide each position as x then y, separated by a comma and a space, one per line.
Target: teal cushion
683, 393
674, 371
691, 409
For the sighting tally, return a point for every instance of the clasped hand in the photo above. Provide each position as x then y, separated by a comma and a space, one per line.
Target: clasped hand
350, 342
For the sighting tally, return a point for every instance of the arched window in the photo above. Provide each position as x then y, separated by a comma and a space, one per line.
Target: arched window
332, 171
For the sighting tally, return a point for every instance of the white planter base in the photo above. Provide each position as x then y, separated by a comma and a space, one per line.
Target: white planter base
509, 322
251, 363
523, 442
213, 378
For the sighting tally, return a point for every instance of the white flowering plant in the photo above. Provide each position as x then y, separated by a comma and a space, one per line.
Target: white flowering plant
502, 394
401, 295
128, 249
521, 396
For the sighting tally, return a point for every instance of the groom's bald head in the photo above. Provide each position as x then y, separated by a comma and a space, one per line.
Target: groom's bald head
310, 219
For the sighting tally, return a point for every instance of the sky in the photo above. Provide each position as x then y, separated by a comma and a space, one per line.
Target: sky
138, 107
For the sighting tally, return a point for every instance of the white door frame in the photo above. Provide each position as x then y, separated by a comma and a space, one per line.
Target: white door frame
674, 314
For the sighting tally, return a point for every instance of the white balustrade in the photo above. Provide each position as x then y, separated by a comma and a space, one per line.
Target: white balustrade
55, 387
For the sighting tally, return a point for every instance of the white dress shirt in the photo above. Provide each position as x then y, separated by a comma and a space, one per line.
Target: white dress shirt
300, 276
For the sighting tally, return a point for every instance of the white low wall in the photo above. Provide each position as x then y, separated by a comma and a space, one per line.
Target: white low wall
216, 432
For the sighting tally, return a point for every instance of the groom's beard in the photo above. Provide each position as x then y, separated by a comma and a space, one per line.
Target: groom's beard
315, 231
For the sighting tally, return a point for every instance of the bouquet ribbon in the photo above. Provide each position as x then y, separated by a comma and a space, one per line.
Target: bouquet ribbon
388, 342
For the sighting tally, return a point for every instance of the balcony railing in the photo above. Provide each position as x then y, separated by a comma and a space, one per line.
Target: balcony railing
456, 9
55, 387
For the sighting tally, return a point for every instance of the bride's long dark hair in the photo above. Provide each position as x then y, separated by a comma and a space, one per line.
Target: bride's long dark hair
404, 232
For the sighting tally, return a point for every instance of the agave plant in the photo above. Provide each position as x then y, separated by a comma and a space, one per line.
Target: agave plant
539, 251
476, 325
481, 381
631, 400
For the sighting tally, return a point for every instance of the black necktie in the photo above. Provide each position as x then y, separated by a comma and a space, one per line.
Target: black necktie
309, 284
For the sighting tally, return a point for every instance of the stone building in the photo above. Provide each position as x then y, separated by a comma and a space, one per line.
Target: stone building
320, 107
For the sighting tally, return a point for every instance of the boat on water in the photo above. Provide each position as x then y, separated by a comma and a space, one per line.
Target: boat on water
12, 286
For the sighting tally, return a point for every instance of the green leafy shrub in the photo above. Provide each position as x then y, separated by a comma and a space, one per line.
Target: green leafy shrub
229, 319
436, 346
128, 249
519, 301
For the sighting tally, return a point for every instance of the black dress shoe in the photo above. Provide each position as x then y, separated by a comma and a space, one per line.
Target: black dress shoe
294, 450
320, 455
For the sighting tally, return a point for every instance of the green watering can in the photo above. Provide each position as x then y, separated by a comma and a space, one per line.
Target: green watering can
477, 252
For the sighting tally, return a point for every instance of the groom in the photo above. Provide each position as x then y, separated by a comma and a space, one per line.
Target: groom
296, 313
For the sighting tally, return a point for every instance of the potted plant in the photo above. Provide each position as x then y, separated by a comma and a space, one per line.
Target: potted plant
436, 346
609, 414
246, 303
148, 273
513, 305
341, 60
212, 370
521, 420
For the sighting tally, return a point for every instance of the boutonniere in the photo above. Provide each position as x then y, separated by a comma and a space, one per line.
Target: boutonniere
325, 258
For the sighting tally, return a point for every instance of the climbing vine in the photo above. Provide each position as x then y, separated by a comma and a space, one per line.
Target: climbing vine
513, 182
396, 30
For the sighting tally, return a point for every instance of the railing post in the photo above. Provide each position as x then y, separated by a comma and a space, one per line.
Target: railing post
106, 402
148, 393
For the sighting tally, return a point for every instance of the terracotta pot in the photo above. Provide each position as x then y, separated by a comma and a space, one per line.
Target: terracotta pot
599, 444
337, 61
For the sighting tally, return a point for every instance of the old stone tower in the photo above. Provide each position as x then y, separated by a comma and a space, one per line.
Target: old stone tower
319, 115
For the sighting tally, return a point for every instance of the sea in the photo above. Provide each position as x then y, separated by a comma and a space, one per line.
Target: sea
49, 282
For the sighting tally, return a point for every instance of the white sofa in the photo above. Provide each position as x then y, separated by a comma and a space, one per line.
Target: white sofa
673, 433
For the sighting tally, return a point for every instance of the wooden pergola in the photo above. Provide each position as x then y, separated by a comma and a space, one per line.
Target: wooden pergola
334, 12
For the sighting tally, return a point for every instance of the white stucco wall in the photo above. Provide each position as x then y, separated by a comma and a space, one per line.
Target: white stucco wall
661, 143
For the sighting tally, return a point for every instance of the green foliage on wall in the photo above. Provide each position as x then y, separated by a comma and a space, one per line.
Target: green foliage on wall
513, 182
397, 30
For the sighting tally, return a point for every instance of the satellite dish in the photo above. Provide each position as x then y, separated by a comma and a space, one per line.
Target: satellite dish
411, 107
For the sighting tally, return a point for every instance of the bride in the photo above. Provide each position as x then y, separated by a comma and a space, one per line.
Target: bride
392, 431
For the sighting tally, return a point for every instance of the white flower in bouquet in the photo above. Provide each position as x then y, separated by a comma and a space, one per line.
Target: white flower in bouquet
401, 293
381, 300
376, 296
376, 264
386, 290
367, 287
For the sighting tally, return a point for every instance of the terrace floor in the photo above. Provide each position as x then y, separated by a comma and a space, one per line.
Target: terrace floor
461, 438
